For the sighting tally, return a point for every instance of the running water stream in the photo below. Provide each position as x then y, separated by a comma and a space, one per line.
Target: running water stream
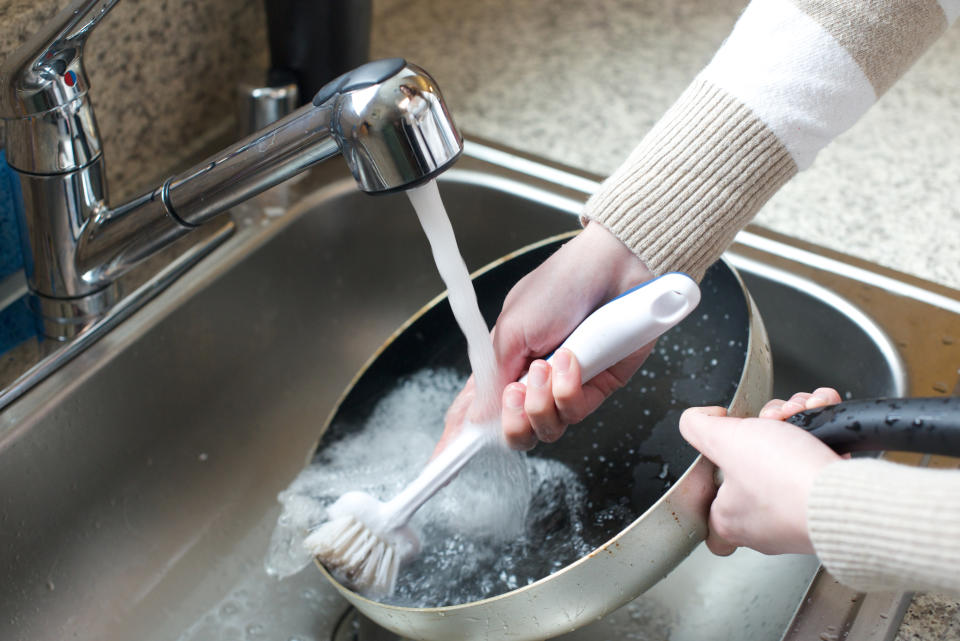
498, 474
463, 299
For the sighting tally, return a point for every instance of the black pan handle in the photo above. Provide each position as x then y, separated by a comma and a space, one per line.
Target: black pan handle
926, 425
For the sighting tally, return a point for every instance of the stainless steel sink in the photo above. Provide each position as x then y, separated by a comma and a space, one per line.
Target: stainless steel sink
138, 482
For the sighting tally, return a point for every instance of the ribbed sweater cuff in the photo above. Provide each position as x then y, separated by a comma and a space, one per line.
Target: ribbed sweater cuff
879, 526
709, 163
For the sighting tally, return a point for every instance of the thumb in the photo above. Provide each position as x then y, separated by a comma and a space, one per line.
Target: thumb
702, 427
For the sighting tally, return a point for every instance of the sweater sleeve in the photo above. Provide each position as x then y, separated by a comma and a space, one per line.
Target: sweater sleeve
879, 526
791, 76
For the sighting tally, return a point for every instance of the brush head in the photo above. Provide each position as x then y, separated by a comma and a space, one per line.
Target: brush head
359, 546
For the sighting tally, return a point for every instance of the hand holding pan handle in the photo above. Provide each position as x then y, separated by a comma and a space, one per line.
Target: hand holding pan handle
925, 425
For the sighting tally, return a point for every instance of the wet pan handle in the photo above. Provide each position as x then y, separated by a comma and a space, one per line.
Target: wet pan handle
925, 425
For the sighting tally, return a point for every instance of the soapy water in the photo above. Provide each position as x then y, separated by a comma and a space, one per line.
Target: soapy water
577, 493
471, 547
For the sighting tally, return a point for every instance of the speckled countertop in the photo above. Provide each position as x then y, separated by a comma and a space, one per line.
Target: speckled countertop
580, 83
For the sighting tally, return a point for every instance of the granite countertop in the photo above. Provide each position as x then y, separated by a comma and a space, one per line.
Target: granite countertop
580, 82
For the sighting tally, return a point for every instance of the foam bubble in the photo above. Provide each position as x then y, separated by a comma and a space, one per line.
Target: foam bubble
379, 459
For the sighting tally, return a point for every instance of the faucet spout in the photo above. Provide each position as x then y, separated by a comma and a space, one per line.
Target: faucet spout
113, 241
386, 117
256, 163
392, 125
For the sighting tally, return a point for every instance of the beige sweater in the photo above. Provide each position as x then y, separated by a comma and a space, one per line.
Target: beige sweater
792, 76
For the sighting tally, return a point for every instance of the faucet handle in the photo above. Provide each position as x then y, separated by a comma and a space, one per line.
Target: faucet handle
43, 94
46, 72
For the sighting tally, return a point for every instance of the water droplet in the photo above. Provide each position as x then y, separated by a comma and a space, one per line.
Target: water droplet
942, 388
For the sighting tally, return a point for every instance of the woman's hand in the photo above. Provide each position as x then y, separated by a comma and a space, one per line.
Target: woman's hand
768, 470
538, 314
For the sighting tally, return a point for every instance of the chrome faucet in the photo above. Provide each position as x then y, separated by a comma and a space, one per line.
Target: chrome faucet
386, 117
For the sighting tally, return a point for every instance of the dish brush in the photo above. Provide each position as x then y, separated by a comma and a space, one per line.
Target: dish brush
365, 540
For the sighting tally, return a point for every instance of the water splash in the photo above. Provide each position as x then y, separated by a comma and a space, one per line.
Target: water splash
465, 556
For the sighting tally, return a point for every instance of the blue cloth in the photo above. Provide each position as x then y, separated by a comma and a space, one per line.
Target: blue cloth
11, 258
17, 324
16, 321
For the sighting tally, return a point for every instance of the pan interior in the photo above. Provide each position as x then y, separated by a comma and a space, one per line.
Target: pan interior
592, 483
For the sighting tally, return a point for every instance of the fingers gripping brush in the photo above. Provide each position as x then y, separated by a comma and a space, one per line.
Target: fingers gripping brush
365, 540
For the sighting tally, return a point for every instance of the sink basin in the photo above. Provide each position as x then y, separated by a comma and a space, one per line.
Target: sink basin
138, 482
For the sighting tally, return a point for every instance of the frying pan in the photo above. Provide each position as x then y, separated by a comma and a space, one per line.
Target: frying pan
653, 489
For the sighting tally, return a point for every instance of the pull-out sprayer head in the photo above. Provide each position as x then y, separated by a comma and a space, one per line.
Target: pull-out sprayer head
392, 125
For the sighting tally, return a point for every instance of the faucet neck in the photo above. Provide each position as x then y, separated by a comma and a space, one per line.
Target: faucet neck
77, 245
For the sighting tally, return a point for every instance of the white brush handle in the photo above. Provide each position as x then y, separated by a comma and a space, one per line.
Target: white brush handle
443, 467
630, 321
604, 338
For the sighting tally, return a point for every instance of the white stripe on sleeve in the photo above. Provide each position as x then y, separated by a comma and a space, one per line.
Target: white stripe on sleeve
951, 8
793, 75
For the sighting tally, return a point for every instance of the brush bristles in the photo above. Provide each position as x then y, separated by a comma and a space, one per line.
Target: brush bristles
351, 551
